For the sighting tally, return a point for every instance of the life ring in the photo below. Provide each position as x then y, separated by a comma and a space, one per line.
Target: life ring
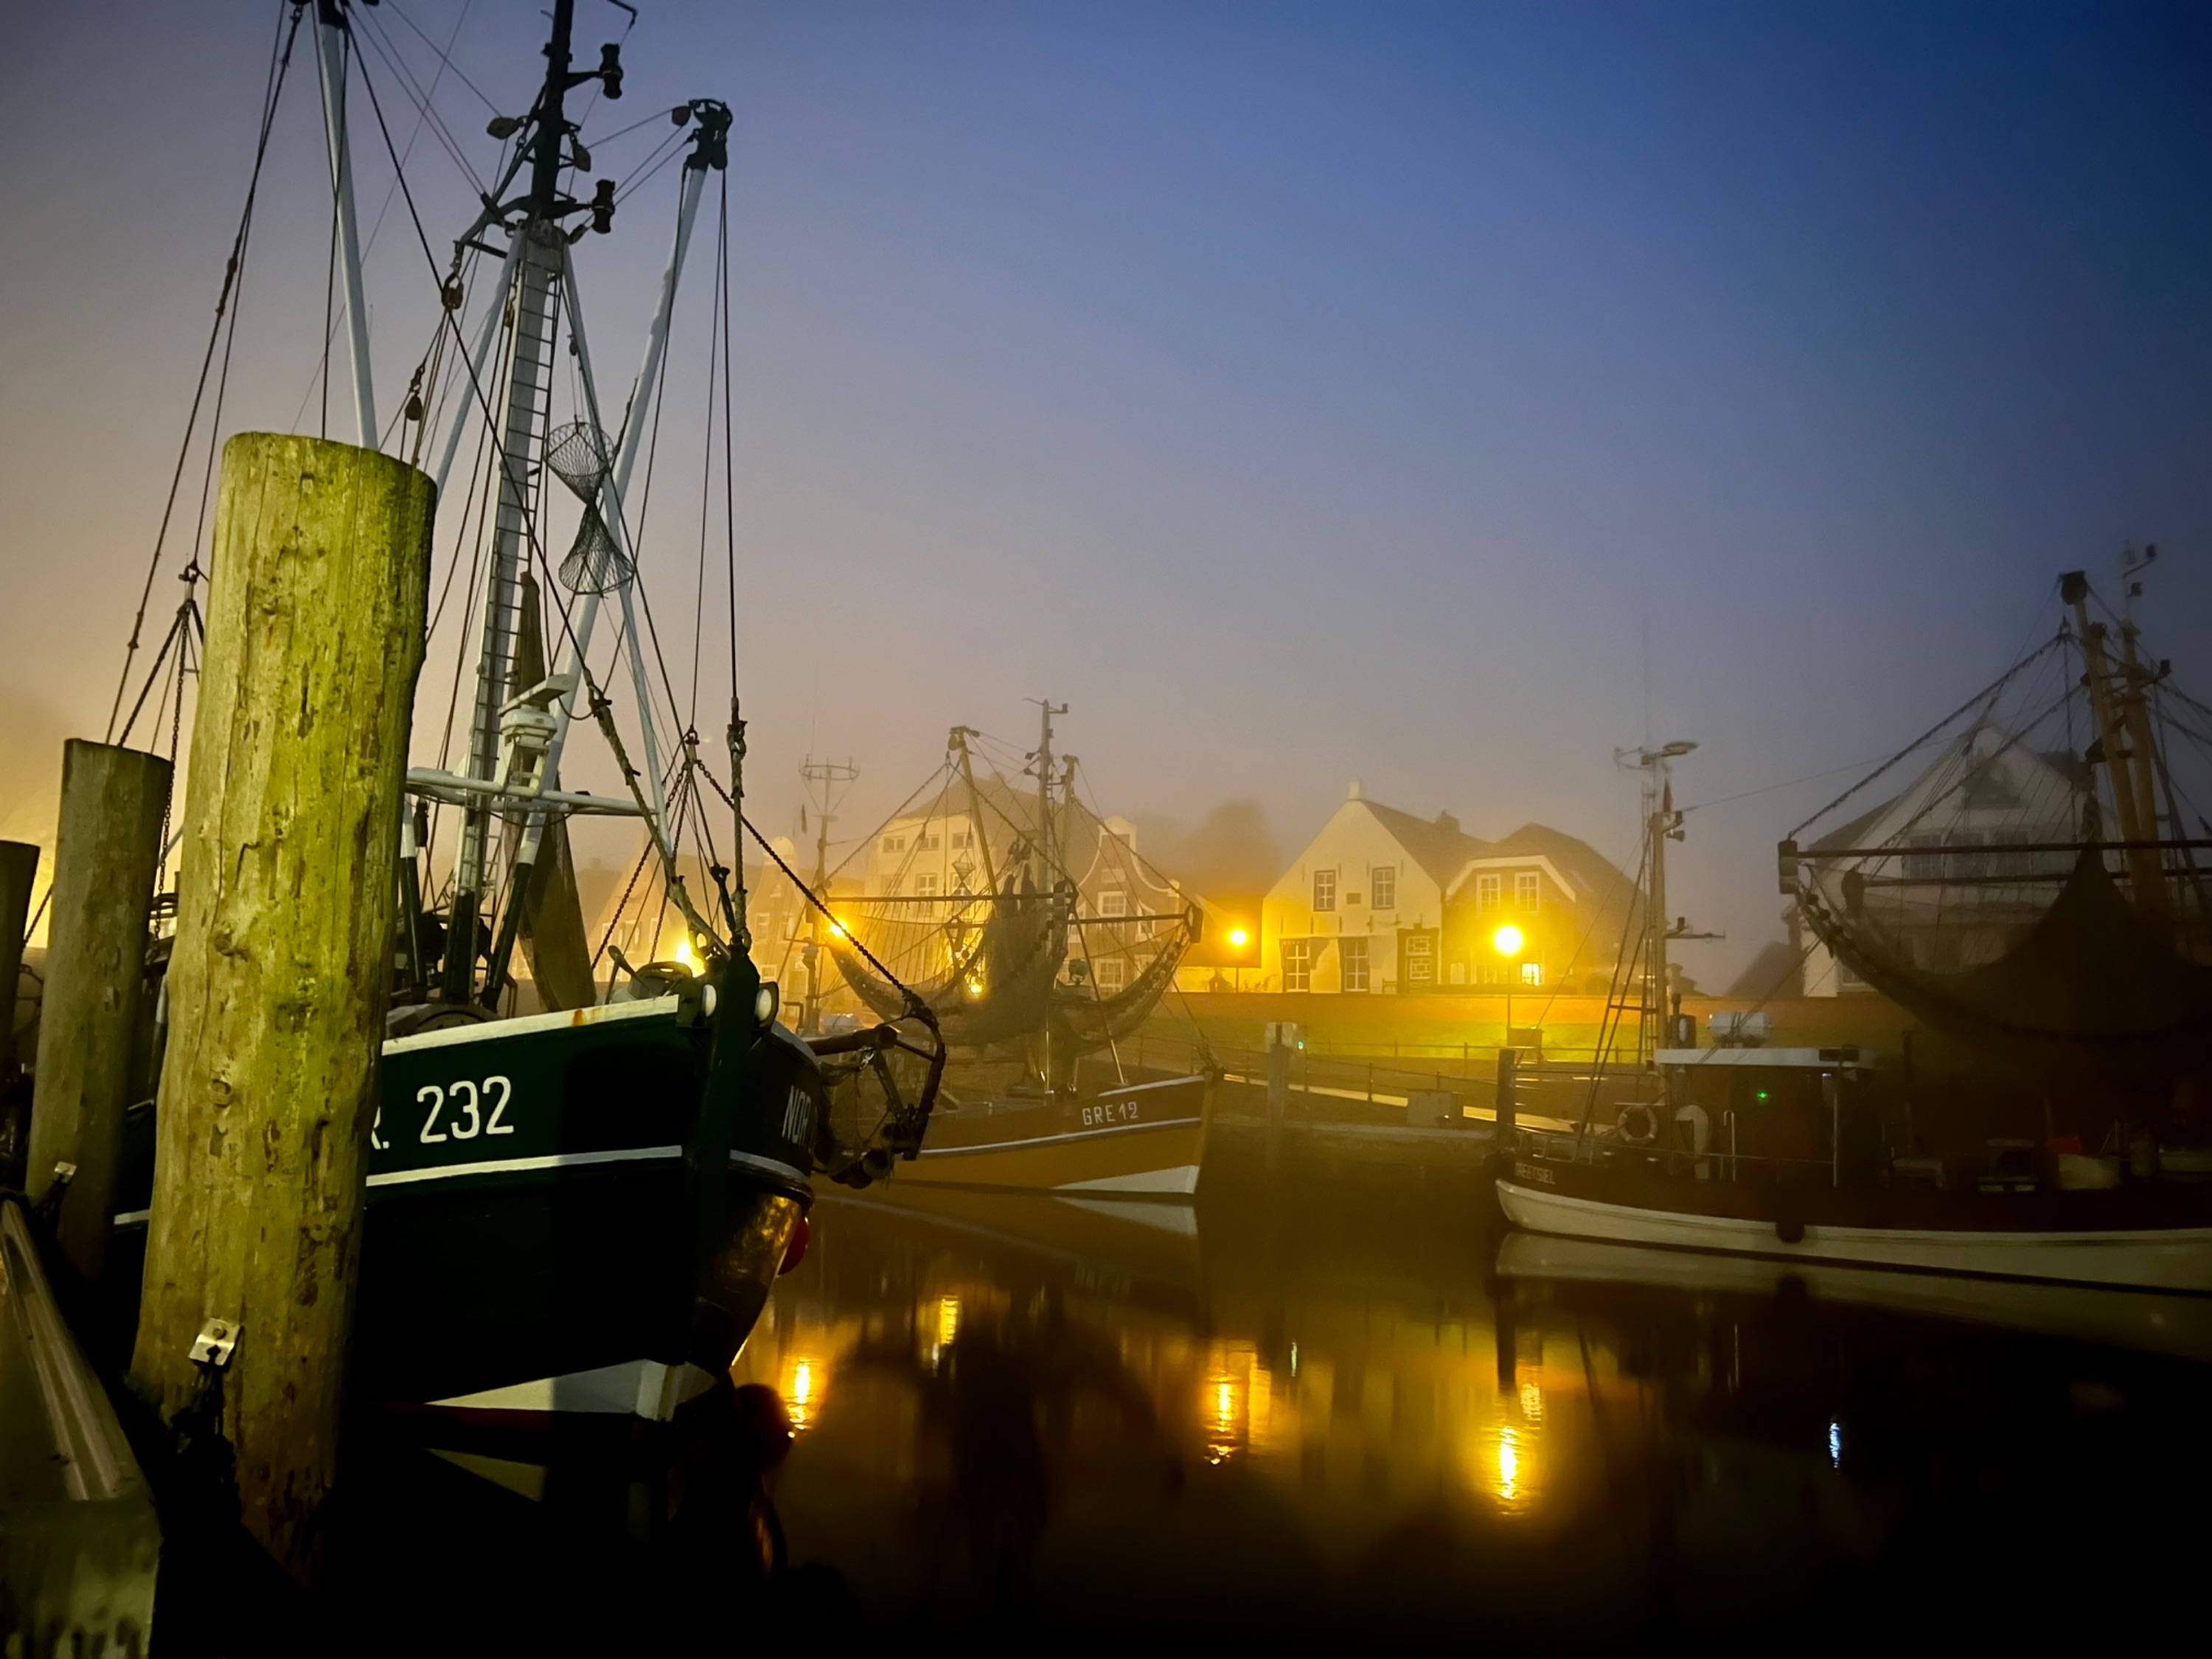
1638, 1124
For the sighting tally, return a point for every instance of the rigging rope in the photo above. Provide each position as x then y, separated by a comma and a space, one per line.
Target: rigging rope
1988, 693
234, 270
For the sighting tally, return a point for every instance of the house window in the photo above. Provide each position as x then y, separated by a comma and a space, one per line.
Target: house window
963, 838
1355, 963
1421, 958
1486, 891
1324, 890
924, 884
894, 843
1112, 973
1114, 903
1298, 964
925, 844
1924, 866
1532, 973
1383, 886
1489, 972
1528, 891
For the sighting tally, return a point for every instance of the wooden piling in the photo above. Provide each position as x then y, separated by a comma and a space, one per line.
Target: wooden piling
106, 850
283, 960
19, 871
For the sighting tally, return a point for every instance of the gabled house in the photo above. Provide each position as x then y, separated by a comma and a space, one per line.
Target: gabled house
1382, 900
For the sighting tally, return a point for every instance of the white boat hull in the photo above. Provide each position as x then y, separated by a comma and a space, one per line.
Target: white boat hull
2176, 1259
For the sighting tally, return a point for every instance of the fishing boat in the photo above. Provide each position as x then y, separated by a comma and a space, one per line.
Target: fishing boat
575, 1207
2033, 897
1040, 941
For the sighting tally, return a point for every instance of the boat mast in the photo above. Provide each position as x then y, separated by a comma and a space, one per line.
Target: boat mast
826, 774
1041, 858
542, 256
1661, 823
333, 40
2116, 695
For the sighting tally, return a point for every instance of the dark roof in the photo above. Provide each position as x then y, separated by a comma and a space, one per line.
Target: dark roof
1594, 873
1440, 847
1775, 971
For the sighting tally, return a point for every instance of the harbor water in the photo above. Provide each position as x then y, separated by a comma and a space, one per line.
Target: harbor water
1316, 1409
1372, 1409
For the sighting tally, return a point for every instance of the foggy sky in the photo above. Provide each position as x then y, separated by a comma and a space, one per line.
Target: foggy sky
1437, 395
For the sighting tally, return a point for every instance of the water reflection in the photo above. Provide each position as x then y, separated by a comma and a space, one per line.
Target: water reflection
1327, 1408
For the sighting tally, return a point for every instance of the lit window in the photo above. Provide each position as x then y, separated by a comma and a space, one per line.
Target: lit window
1298, 964
1113, 975
1532, 973
1528, 891
1486, 892
1355, 963
1324, 890
1383, 886
1114, 903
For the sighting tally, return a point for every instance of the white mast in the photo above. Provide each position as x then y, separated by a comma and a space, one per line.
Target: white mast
333, 41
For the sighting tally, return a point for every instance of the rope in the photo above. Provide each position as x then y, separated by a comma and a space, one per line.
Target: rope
233, 270
1987, 694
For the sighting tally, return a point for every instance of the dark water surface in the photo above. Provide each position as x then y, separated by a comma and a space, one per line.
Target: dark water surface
1369, 1410
1316, 1414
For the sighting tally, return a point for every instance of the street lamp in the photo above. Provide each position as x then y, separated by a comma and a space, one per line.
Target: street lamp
1507, 942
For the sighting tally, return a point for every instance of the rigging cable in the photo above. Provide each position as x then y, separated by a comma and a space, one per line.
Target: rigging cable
233, 270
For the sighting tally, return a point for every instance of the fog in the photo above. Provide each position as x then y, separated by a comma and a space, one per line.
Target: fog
1441, 397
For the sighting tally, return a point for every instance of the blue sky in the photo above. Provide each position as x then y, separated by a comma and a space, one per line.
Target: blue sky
1437, 395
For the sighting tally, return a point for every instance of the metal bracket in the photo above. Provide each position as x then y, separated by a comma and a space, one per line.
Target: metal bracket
213, 1346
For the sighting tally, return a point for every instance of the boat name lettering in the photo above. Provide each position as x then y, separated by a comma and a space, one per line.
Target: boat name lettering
1112, 1111
1531, 1172
469, 1120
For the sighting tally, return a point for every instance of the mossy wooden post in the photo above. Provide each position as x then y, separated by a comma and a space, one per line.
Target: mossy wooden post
282, 959
106, 848
19, 871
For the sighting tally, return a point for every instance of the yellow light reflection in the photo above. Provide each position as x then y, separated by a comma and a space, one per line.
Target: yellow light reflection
1532, 1402
685, 956
1228, 1417
802, 1393
948, 1320
1509, 1466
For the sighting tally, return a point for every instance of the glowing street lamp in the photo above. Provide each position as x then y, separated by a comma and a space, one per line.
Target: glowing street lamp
1509, 941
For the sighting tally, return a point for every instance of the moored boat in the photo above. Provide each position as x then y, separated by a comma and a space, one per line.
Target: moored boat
1042, 941
575, 1213
2061, 1140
